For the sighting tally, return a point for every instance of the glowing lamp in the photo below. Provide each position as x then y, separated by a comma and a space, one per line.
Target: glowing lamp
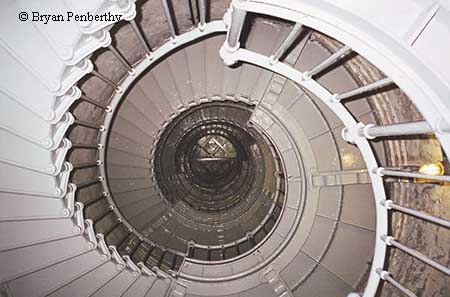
435, 168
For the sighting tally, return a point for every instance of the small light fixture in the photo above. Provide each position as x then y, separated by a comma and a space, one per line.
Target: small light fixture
435, 168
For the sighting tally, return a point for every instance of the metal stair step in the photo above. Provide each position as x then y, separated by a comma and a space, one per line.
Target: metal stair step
23, 207
180, 71
154, 93
159, 287
89, 283
37, 284
35, 232
17, 180
118, 285
21, 261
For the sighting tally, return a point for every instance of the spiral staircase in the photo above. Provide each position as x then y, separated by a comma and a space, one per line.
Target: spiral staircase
225, 148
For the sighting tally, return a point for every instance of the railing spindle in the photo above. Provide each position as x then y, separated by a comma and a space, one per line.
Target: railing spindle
170, 19
202, 14
389, 204
106, 80
381, 171
86, 165
89, 125
412, 128
121, 59
389, 240
95, 103
141, 38
339, 54
287, 43
363, 90
384, 275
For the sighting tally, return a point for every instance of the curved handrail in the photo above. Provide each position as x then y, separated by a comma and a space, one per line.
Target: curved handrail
231, 53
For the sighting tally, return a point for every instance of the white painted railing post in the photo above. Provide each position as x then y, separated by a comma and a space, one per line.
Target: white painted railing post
234, 19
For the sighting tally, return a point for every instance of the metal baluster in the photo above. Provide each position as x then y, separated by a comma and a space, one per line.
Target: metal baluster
208, 254
191, 251
234, 32
95, 103
339, 54
287, 43
170, 19
362, 90
102, 216
148, 254
85, 124
412, 128
94, 146
174, 262
384, 275
389, 240
202, 14
252, 241
106, 80
95, 200
135, 248
223, 253
381, 171
142, 39
193, 6
89, 183
121, 59
124, 239
160, 260
389, 204
86, 165
112, 228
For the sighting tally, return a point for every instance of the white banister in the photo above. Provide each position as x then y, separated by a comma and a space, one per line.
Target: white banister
235, 29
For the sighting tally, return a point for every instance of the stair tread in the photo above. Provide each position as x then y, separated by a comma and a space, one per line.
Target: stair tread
34, 232
164, 77
37, 284
118, 285
18, 180
179, 69
140, 287
38, 207
195, 54
89, 283
159, 288
152, 90
323, 283
214, 65
20, 261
